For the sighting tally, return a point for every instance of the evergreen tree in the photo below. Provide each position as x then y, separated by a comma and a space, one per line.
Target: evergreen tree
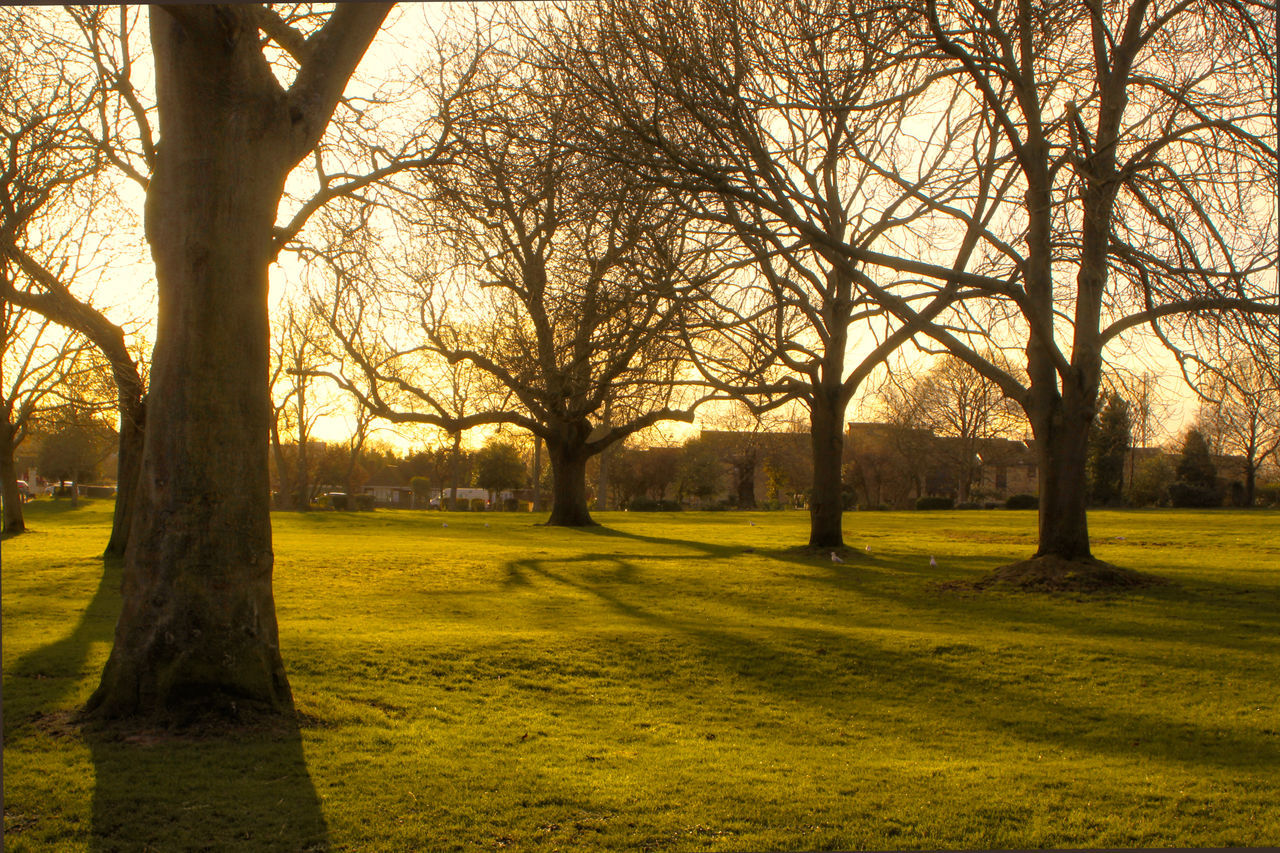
1197, 483
1108, 443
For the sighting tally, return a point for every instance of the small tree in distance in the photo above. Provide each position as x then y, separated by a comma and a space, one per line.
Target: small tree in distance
1197, 483
499, 467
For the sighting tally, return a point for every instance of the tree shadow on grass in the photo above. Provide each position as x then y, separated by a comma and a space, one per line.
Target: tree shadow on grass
246, 789
947, 685
242, 790
706, 548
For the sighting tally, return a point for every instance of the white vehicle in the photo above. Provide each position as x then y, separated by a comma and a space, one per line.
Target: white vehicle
468, 494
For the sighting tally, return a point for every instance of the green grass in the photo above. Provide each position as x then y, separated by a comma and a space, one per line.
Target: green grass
679, 682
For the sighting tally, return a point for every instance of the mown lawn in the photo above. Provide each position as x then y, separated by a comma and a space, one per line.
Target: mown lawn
678, 682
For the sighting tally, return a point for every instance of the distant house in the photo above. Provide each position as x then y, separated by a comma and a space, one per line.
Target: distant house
389, 492
894, 465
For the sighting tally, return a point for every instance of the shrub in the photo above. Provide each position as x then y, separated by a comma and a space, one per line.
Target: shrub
646, 504
1022, 502
1151, 481
935, 503
363, 503
339, 501
479, 504
1267, 494
969, 505
1193, 495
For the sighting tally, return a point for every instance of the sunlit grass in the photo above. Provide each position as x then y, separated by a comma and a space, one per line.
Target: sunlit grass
681, 682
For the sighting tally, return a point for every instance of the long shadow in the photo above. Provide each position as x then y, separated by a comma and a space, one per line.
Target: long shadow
825, 668
39, 682
705, 547
244, 790
247, 790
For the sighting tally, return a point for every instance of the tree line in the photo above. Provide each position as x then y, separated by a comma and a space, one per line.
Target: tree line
589, 218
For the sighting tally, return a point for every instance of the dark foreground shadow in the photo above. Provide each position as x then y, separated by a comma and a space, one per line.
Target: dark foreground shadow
227, 789
243, 790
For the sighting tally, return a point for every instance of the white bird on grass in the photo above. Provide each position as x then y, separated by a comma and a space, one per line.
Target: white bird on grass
445, 524
933, 564
835, 558
868, 549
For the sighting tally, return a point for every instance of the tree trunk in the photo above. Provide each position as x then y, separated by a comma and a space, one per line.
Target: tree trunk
198, 632
1250, 479
284, 480
13, 520
569, 485
602, 483
1062, 442
303, 475
133, 415
453, 470
537, 473
826, 507
744, 472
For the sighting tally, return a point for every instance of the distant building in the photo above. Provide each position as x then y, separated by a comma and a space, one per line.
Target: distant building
886, 464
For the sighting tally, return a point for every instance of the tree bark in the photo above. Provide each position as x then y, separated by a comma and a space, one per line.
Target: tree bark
569, 485
1062, 442
14, 523
133, 415
197, 632
826, 506
198, 625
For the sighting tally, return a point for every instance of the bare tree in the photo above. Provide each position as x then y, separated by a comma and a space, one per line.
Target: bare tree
42, 369
198, 631
296, 352
1240, 413
64, 135
760, 114
953, 400
1138, 136
551, 274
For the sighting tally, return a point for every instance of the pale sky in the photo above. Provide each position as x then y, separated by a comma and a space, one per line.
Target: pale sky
129, 290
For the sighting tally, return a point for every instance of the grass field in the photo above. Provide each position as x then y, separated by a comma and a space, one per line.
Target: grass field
678, 682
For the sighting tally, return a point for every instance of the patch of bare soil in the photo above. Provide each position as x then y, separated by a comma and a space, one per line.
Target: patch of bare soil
1055, 574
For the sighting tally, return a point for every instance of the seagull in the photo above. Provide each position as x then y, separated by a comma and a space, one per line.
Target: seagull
445, 524
835, 559
933, 564
868, 549
486, 524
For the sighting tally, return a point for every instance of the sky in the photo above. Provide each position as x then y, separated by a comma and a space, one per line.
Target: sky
128, 289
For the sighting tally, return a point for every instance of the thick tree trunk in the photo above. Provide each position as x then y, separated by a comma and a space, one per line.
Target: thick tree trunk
569, 485
1062, 442
826, 507
13, 520
197, 632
